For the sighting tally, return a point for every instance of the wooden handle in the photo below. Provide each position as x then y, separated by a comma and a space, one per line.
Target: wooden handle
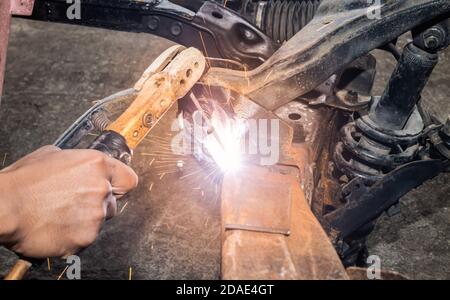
19, 270
157, 94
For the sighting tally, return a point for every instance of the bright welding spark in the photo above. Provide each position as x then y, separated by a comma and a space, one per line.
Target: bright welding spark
224, 145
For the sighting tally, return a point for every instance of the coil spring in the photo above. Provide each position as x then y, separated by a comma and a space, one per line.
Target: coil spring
359, 155
100, 120
281, 19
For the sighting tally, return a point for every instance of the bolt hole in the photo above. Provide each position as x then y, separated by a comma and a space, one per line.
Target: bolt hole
217, 15
294, 116
196, 65
188, 73
182, 81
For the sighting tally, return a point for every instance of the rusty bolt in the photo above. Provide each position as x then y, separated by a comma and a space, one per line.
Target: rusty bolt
433, 38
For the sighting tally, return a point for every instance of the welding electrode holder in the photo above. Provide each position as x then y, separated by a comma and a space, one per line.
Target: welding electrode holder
113, 144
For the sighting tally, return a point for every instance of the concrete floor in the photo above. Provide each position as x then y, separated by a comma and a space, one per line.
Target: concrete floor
53, 74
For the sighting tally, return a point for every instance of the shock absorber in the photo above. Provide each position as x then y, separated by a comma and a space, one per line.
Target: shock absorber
387, 136
280, 19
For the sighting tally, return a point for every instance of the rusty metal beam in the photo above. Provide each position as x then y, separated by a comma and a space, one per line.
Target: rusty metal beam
7, 9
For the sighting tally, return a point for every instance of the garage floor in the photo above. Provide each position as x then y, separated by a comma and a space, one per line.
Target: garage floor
53, 74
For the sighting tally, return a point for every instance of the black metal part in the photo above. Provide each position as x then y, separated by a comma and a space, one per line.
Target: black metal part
404, 88
85, 124
370, 204
367, 151
444, 147
392, 48
236, 38
439, 136
114, 145
339, 33
432, 37
387, 136
348, 89
358, 77
75, 134
216, 30
376, 150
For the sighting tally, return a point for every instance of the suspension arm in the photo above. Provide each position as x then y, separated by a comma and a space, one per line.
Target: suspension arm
339, 33
217, 31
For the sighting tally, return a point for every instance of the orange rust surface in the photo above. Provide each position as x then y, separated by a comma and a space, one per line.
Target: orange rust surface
304, 253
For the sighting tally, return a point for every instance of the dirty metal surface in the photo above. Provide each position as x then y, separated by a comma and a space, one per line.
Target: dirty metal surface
312, 133
306, 253
256, 204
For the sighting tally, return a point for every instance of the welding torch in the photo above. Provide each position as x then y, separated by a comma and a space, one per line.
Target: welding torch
169, 78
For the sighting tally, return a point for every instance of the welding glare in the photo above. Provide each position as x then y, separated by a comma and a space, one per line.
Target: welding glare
215, 136
224, 144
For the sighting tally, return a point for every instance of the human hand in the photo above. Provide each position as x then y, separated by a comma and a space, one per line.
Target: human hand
53, 202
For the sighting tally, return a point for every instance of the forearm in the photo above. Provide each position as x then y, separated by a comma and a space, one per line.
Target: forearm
8, 215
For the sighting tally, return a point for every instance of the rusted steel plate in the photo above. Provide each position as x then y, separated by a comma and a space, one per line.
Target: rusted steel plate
304, 253
266, 208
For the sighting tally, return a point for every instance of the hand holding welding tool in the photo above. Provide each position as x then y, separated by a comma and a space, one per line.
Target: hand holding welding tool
55, 201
